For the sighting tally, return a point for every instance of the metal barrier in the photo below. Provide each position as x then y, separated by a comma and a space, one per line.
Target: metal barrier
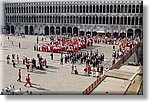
115, 66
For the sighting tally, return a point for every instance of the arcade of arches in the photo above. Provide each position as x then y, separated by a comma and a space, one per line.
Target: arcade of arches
74, 30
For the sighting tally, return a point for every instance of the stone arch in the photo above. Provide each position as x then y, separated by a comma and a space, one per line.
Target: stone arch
58, 30
12, 29
52, 30
75, 30
138, 32
26, 29
69, 30
31, 30
63, 30
130, 33
47, 30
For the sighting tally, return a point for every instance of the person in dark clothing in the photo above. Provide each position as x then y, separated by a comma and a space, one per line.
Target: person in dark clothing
19, 76
51, 56
61, 60
66, 59
101, 69
19, 45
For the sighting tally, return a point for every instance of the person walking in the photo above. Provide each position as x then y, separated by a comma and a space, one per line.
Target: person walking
28, 81
8, 59
19, 76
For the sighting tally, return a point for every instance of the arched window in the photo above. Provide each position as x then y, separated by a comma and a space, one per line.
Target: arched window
129, 20
93, 8
133, 9
90, 20
129, 9
107, 8
118, 20
115, 8
87, 9
83, 8
114, 20
100, 8
137, 8
141, 8
107, 20
110, 22
90, 8
121, 20
80, 8
86, 19
48, 9
80, 20
96, 19
93, 19
122, 9
40, 9
125, 20
71, 8
141, 21
103, 19
83, 19
136, 21
100, 20
118, 9
97, 8
126, 9
103, 8
111, 8
74, 8
132, 20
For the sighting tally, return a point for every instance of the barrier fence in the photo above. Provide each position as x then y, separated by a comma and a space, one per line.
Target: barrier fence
115, 66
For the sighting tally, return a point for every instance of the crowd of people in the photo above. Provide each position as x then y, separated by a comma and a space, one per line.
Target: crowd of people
63, 43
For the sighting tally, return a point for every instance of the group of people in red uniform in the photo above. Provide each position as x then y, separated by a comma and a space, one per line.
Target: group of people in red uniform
67, 44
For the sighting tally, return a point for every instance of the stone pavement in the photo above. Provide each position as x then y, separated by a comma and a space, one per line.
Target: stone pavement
56, 79
117, 80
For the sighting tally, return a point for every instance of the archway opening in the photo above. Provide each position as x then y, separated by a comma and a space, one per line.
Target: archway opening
63, 30
138, 32
122, 35
88, 33
46, 30
31, 30
69, 31
58, 30
94, 33
52, 31
75, 30
81, 33
12, 29
26, 29
108, 34
130, 33
115, 34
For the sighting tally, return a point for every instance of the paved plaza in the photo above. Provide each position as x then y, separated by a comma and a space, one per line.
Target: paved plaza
56, 79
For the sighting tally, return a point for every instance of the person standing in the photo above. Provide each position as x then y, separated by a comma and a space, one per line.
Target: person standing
17, 59
14, 64
61, 60
19, 76
28, 81
8, 59
45, 63
51, 56
72, 68
19, 45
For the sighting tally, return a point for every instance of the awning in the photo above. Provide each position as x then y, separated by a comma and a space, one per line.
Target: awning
101, 30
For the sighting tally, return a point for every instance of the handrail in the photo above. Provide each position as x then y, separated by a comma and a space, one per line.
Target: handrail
117, 65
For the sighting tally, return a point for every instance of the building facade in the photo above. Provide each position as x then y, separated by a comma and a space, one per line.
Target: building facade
80, 17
